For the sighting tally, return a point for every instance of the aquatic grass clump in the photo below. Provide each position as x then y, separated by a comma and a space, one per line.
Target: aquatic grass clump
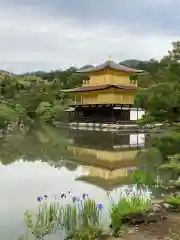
44, 222
51, 217
173, 200
141, 176
126, 208
91, 233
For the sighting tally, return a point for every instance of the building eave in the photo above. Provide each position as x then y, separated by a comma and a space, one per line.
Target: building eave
110, 65
100, 87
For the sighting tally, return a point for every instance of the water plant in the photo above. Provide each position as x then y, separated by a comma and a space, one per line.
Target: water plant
125, 208
173, 201
141, 176
82, 213
91, 233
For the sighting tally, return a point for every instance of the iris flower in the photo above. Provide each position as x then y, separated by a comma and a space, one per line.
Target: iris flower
84, 195
39, 199
100, 206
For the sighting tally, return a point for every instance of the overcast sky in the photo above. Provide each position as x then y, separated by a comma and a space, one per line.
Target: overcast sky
54, 34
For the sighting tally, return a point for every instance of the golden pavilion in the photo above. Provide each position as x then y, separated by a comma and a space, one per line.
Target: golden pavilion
106, 96
104, 161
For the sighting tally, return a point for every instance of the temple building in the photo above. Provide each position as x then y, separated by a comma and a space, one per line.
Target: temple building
105, 161
107, 94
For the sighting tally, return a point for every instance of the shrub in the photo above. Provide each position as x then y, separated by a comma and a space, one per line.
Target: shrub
173, 200
126, 208
168, 144
173, 163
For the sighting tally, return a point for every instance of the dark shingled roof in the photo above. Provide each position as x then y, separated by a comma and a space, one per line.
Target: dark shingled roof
99, 87
111, 65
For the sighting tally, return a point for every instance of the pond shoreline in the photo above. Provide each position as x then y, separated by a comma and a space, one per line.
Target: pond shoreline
133, 127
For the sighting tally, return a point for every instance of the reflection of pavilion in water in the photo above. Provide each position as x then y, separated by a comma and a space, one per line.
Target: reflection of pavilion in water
105, 156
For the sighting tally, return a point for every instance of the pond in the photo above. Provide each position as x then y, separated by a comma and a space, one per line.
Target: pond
54, 161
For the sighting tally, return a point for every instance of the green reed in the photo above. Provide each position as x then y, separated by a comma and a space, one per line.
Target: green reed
142, 176
173, 200
69, 217
127, 207
44, 222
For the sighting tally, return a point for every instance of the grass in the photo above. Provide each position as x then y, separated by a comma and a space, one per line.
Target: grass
91, 233
81, 219
173, 200
50, 218
126, 208
142, 176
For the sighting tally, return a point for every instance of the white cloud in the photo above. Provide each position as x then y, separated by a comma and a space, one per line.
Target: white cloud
31, 39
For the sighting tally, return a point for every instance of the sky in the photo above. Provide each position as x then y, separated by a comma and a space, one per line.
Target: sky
56, 34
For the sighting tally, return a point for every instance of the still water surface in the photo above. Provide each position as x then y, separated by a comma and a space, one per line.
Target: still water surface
53, 161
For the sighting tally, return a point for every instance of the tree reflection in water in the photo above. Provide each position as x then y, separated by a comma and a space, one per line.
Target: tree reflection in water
44, 143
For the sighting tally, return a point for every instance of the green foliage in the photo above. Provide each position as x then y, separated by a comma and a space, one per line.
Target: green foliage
161, 92
127, 207
44, 222
142, 176
7, 114
168, 144
91, 233
30, 98
71, 218
173, 163
173, 201
146, 119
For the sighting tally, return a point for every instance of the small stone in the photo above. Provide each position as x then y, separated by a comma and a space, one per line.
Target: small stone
166, 205
132, 230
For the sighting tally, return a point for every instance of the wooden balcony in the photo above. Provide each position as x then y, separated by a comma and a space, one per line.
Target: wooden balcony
105, 99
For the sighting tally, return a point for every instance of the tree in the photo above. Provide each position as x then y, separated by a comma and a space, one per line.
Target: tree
161, 99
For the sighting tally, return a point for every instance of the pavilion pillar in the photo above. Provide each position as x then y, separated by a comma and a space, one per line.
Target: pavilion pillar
137, 113
125, 115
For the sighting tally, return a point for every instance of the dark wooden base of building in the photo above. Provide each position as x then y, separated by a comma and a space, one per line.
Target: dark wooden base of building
109, 113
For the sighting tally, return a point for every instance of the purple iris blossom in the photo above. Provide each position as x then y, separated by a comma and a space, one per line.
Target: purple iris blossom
100, 206
39, 199
131, 171
85, 195
140, 165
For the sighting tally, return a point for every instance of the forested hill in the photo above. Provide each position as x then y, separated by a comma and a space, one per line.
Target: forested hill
29, 94
65, 74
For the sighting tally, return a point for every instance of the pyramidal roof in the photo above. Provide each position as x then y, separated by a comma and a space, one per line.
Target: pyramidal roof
111, 65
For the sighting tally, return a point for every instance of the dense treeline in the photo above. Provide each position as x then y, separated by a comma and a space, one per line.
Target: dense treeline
160, 88
36, 96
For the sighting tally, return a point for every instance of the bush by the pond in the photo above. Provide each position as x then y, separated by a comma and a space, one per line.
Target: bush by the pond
125, 209
168, 144
175, 184
173, 163
173, 201
171, 166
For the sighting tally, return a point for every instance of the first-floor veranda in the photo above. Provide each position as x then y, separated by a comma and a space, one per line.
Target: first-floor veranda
103, 113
